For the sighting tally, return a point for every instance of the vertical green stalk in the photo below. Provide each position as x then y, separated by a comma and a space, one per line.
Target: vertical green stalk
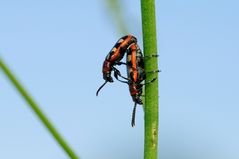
33, 105
151, 90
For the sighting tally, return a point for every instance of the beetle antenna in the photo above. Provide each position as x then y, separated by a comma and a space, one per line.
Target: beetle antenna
133, 115
100, 88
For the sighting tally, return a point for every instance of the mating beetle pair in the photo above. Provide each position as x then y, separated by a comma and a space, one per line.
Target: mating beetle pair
135, 68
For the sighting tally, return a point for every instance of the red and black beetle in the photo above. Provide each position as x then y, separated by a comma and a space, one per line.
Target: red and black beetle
114, 57
135, 68
136, 75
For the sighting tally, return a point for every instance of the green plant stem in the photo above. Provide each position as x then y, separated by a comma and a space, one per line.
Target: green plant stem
33, 105
151, 90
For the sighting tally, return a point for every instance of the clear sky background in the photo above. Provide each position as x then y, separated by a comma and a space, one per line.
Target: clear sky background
56, 49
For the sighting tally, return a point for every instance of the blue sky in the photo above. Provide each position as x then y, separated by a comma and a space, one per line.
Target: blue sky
56, 49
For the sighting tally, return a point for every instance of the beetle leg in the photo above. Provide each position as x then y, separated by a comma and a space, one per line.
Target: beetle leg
151, 72
117, 74
149, 81
121, 63
154, 71
150, 56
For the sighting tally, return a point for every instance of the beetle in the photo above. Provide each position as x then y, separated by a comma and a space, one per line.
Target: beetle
114, 58
135, 75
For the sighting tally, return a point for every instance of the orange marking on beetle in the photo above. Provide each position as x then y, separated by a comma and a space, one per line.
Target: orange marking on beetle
134, 62
114, 49
123, 44
120, 41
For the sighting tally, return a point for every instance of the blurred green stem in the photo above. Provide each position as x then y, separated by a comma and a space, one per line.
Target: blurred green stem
33, 105
116, 13
151, 90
